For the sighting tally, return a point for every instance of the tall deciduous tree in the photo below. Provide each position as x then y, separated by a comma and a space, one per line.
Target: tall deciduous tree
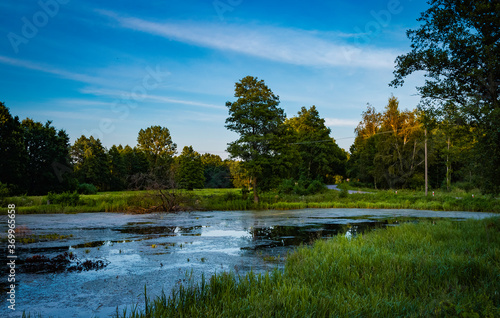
239, 176
400, 150
190, 172
457, 46
157, 144
135, 160
321, 156
217, 173
363, 150
12, 151
256, 117
48, 157
389, 148
91, 164
117, 168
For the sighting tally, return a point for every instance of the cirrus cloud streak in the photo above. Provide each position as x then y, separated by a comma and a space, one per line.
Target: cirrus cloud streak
285, 45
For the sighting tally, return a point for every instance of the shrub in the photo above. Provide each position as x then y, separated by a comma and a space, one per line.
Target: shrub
64, 199
466, 186
87, 188
244, 193
301, 187
286, 186
343, 193
230, 196
4, 190
315, 187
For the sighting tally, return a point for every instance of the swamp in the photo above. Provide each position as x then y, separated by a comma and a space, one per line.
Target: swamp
98, 263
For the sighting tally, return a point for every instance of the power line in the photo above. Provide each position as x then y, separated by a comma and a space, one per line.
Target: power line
354, 137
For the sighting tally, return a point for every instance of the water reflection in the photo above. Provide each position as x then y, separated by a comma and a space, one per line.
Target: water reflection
144, 230
275, 236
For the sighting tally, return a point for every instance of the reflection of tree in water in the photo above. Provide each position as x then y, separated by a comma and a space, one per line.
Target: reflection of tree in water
190, 230
296, 235
148, 230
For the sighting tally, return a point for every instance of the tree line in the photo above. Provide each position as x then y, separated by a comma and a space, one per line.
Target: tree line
37, 159
453, 135
273, 152
389, 150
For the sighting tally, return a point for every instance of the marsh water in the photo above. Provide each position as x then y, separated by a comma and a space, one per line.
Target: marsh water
162, 250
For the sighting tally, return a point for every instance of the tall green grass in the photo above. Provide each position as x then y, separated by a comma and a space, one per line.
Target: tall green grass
232, 199
447, 269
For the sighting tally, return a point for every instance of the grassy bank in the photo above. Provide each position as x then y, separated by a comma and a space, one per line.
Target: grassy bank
232, 199
447, 269
454, 201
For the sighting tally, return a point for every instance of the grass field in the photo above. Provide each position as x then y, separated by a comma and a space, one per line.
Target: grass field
447, 269
232, 199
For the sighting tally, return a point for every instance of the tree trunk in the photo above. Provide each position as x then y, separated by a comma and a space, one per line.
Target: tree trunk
255, 194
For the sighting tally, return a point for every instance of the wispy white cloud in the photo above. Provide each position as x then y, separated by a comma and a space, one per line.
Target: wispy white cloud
114, 76
120, 94
79, 102
293, 46
47, 69
338, 122
83, 115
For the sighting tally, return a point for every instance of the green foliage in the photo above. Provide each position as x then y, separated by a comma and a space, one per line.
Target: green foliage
344, 193
156, 143
12, 151
64, 199
315, 186
412, 270
134, 160
4, 190
48, 161
400, 147
91, 163
301, 187
388, 149
457, 46
286, 186
258, 120
465, 186
190, 172
239, 175
87, 188
220, 200
217, 172
319, 155
117, 169
36, 150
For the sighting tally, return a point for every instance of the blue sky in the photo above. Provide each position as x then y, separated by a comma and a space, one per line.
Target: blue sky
110, 69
